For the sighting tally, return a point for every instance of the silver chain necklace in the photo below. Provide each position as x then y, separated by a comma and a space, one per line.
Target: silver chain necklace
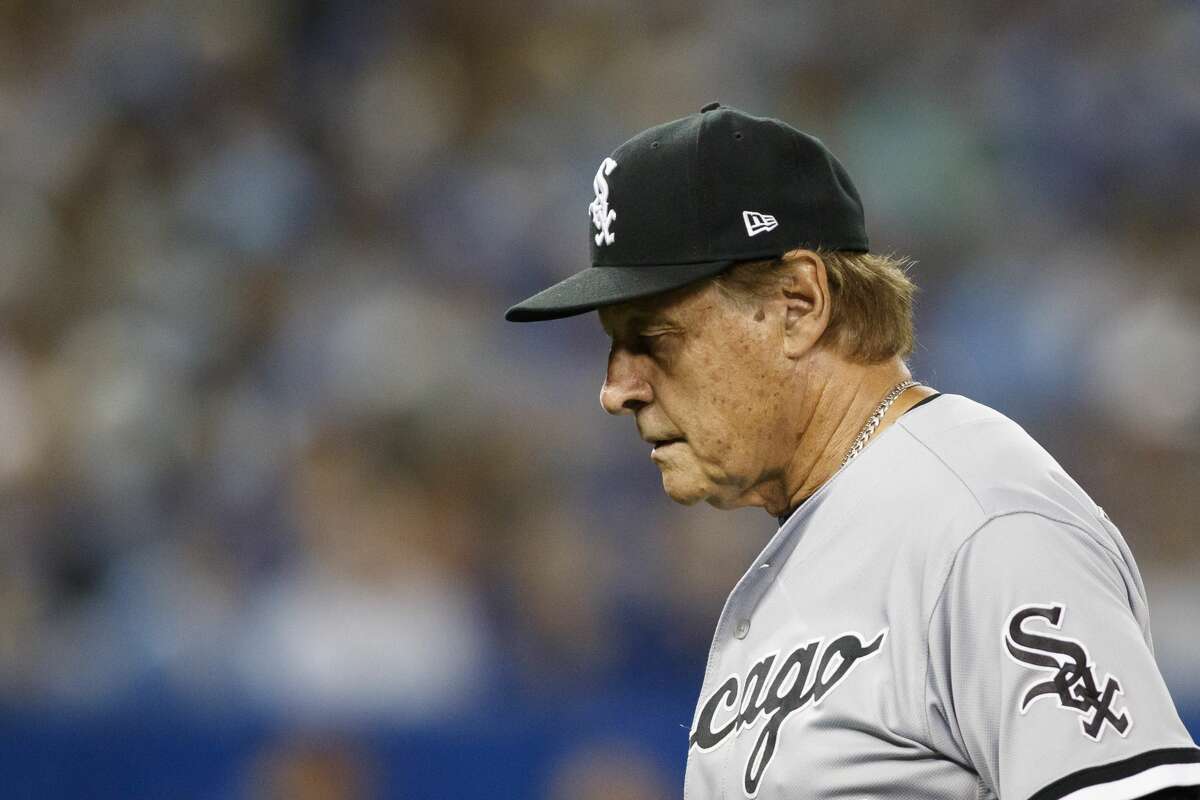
876, 418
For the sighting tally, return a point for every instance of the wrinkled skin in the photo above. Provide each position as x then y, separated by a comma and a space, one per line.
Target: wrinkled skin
745, 402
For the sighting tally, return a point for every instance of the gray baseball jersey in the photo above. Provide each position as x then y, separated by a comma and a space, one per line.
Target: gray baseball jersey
949, 616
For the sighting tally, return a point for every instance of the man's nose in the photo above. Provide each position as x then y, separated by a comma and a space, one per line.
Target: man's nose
625, 390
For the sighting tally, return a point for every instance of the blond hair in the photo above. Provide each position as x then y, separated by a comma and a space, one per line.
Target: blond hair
871, 298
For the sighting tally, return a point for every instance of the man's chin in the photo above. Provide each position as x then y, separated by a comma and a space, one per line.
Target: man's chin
683, 492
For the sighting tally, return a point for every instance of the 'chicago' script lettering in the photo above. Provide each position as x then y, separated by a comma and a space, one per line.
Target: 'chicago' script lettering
796, 684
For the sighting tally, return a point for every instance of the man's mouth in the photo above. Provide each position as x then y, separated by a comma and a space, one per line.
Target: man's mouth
660, 443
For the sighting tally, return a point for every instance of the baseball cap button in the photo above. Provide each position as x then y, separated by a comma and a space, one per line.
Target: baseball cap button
742, 629
710, 107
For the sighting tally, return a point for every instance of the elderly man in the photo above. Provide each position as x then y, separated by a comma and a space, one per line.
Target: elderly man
943, 612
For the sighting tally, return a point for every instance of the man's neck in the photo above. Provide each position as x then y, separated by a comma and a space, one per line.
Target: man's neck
839, 403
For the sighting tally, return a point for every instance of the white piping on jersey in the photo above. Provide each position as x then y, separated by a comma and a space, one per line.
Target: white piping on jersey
1142, 784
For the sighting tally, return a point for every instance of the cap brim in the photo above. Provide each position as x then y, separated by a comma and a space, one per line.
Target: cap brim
596, 287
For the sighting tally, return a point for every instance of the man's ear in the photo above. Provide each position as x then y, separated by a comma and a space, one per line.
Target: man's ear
805, 289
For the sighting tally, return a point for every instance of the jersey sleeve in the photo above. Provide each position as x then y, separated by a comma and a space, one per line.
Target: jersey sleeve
1040, 677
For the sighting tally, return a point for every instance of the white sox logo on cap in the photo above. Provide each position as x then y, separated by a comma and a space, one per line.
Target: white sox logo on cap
602, 215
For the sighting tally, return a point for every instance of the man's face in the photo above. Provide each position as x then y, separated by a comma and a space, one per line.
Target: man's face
704, 379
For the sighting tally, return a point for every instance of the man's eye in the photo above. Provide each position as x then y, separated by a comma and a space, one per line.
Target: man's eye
652, 341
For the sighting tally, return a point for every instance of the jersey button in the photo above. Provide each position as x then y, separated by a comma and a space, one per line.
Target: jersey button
742, 629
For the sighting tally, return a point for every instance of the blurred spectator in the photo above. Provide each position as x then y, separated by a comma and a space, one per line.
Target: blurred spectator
306, 768
607, 772
377, 616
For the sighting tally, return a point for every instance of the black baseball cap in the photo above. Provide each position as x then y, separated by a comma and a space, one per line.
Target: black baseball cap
688, 199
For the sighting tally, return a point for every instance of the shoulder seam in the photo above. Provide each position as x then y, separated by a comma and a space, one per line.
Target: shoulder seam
944, 578
947, 467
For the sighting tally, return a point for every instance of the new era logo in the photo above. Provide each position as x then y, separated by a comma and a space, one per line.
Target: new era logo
756, 222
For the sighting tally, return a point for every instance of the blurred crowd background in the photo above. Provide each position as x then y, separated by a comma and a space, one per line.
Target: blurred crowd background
288, 511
